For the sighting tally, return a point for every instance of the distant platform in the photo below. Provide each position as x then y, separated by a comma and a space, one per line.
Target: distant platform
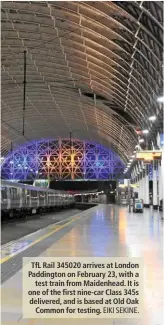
85, 205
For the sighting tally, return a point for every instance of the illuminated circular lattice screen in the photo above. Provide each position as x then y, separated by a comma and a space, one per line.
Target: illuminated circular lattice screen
61, 159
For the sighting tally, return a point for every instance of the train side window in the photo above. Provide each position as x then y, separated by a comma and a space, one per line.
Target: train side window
42, 195
3, 193
34, 194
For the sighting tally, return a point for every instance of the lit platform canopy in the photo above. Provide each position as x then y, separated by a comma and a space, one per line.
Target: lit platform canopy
58, 159
92, 68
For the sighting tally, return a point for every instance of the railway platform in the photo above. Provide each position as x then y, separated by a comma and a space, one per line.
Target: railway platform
104, 230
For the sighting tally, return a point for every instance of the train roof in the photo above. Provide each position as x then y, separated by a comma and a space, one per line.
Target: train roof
28, 187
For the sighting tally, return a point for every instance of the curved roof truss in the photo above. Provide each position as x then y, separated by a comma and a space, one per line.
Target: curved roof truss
93, 69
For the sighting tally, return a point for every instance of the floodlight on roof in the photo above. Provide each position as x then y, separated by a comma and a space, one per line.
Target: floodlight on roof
160, 99
152, 118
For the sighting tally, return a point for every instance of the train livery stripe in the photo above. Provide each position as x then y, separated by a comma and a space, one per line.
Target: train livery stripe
57, 228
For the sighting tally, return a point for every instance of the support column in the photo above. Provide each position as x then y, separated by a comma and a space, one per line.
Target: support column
140, 188
138, 180
155, 199
162, 173
117, 194
160, 178
129, 196
24, 95
140, 194
159, 183
136, 190
146, 188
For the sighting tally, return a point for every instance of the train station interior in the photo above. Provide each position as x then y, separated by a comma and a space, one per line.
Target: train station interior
82, 142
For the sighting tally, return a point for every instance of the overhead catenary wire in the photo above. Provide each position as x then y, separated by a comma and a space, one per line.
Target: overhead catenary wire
14, 129
24, 94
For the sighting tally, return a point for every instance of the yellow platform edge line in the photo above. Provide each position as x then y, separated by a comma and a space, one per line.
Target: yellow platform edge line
41, 238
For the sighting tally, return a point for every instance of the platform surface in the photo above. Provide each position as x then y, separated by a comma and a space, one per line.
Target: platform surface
105, 230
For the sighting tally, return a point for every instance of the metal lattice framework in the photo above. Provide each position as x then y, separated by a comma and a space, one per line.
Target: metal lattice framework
93, 68
58, 159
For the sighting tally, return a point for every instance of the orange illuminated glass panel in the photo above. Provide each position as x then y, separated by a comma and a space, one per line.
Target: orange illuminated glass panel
157, 155
148, 156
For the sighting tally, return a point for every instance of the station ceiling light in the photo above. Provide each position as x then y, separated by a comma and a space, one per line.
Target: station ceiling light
145, 131
160, 99
152, 118
131, 160
141, 140
133, 156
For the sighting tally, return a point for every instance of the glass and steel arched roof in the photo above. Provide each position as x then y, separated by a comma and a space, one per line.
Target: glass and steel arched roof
92, 68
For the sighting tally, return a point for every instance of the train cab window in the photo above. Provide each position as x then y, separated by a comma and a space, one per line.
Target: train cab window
4, 193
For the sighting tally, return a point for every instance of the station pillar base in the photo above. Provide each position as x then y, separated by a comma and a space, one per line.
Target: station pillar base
146, 205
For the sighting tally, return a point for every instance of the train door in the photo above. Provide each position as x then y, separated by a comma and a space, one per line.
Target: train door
47, 199
27, 198
21, 196
34, 199
55, 199
41, 198
59, 199
4, 198
15, 197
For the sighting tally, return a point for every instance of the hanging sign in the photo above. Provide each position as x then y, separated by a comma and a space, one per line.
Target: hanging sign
148, 156
134, 185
